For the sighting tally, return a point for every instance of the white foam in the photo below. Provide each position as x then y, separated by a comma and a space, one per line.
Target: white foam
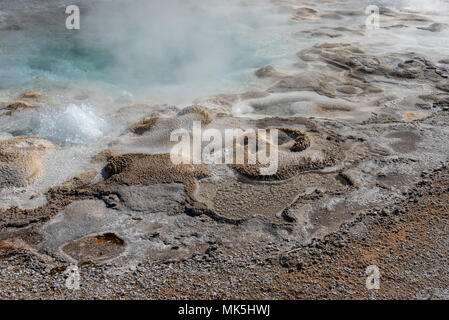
73, 124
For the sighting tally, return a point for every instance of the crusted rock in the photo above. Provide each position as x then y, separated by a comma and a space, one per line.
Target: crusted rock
20, 160
143, 126
205, 113
30, 95
17, 107
146, 169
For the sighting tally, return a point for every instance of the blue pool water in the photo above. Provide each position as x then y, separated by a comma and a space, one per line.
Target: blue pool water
164, 47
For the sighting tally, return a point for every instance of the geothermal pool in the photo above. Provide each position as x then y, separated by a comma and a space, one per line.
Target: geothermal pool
134, 58
86, 118
177, 51
174, 51
170, 51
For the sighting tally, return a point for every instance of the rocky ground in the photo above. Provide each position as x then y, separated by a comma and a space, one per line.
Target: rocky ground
363, 180
407, 241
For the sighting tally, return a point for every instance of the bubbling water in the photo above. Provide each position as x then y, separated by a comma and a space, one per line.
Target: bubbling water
65, 126
173, 50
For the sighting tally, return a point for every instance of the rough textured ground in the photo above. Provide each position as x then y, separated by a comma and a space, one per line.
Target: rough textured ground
363, 180
407, 241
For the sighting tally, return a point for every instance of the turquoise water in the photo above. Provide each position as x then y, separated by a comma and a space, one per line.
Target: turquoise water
165, 48
158, 51
173, 50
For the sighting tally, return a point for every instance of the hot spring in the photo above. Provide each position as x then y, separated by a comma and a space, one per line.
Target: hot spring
168, 50
178, 52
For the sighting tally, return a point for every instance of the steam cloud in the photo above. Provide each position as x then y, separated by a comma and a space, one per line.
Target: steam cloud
171, 42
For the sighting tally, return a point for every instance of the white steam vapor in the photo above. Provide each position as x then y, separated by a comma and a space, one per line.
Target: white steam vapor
174, 41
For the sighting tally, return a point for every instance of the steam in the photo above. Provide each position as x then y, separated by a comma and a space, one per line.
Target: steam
176, 42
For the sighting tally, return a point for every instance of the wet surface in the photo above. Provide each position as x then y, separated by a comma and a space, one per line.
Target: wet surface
362, 114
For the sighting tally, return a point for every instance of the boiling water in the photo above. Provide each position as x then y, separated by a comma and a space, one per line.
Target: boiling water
170, 51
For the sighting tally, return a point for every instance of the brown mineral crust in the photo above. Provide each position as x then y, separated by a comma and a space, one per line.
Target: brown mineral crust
17, 107
306, 14
16, 217
301, 140
30, 95
402, 241
328, 108
205, 115
323, 84
20, 160
145, 169
127, 169
307, 81
95, 249
143, 126
294, 161
347, 90
434, 27
285, 170
404, 16
246, 221
58, 197
269, 72
310, 125
359, 65
443, 86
